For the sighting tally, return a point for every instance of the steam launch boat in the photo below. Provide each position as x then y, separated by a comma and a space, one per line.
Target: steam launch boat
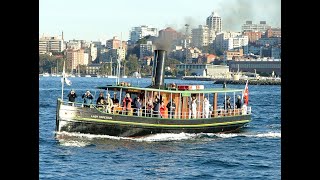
129, 111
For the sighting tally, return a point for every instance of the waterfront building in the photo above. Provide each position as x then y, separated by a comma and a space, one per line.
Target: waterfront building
76, 57
139, 32
200, 36
260, 65
271, 51
146, 50
169, 34
253, 36
261, 27
269, 41
77, 44
233, 54
114, 43
221, 40
51, 44
273, 32
116, 48
93, 69
205, 69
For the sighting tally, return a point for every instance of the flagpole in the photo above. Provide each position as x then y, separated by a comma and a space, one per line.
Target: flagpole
244, 91
62, 80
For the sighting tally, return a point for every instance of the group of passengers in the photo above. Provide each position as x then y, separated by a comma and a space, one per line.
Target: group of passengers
227, 103
207, 107
155, 107
102, 102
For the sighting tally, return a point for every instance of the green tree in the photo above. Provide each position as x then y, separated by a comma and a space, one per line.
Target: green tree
146, 70
208, 49
105, 69
132, 64
171, 62
51, 63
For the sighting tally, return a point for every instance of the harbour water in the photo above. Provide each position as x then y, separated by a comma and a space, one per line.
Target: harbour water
253, 153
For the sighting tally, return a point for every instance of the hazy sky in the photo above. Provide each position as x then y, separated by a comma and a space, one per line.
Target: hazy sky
102, 19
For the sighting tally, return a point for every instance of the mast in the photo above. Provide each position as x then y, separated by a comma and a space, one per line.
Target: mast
78, 70
111, 66
121, 50
185, 65
124, 68
62, 80
119, 63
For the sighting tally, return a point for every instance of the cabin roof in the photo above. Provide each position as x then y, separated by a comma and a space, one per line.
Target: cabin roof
207, 90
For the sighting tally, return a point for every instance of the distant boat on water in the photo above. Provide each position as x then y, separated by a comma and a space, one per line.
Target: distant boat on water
46, 75
111, 76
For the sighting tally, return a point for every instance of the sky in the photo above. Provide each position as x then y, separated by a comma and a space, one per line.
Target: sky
100, 20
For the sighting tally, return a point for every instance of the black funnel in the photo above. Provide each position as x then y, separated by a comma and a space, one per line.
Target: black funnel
158, 68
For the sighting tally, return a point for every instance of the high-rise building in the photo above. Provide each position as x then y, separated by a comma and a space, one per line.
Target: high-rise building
214, 23
146, 49
200, 36
50, 44
76, 57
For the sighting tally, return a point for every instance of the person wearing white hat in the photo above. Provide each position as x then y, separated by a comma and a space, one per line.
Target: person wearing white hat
109, 103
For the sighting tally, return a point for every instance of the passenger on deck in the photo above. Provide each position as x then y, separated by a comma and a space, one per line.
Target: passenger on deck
162, 110
194, 107
87, 99
206, 106
171, 109
156, 107
108, 103
238, 103
127, 104
138, 106
99, 104
115, 100
227, 104
149, 107
72, 97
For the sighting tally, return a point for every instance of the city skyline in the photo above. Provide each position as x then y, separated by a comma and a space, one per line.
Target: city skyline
101, 20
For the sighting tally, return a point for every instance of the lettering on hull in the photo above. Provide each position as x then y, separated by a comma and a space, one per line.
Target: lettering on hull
100, 117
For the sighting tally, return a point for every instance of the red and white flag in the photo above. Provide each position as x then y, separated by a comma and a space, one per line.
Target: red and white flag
245, 95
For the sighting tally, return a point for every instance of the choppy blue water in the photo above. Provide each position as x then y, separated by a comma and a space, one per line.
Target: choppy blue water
254, 153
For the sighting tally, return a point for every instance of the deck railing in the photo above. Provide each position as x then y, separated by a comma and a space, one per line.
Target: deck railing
219, 112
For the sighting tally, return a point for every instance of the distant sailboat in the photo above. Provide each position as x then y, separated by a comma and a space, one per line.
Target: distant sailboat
78, 71
124, 74
111, 76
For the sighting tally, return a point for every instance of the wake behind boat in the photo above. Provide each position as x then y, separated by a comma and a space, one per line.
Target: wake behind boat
158, 108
